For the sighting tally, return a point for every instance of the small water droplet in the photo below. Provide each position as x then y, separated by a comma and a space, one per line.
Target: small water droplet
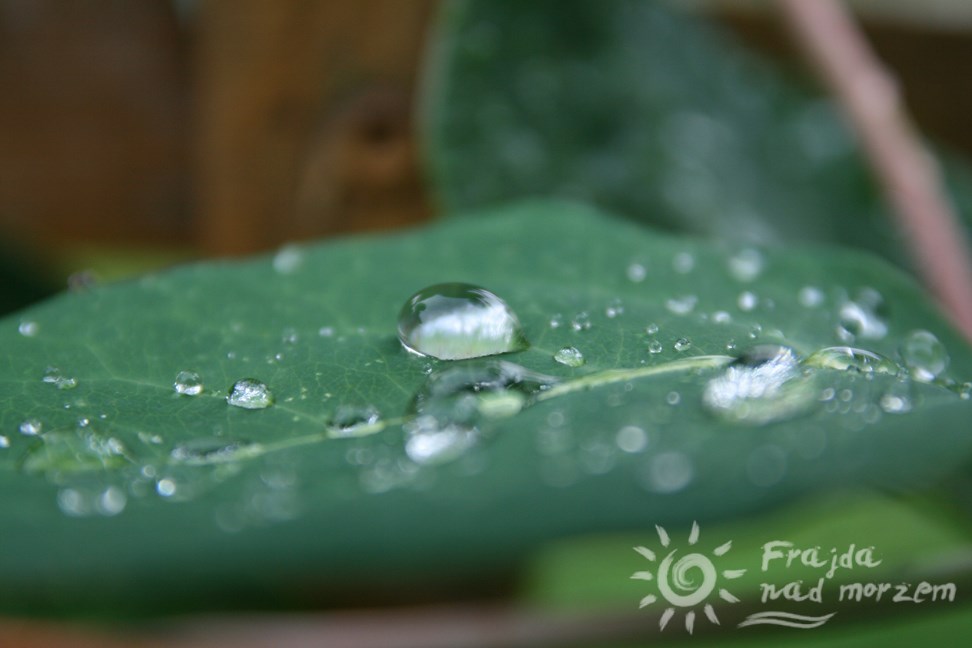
895, 402
651, 329
250, 393
682, 344
570, 356
211, 450
845, 358
754, 331
614, 308
111, 501
31, 427
581, 322
636, 273
556, 321
288, 259
53, 376
763, 385
681, 305
654, 346
721, 317
456, 320
289, 336
683, 262
28, 328
862, 317
810, 296
631, 439
747, 301
188, 383
668, 472
166, 487
746, 265
4, 441
326, 331
924, 355
673, 398
349, 419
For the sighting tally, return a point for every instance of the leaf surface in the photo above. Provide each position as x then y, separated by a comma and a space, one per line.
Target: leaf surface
134, 498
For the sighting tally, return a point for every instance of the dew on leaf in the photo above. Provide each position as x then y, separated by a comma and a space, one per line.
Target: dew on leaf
862, 317
746, 265
4, 441
681, 305
452, 405
349, 419
764, 384
810, 296
747, 301
614, 308
570, 356
631, 439
250, 393
453, 321
581, 321
28, 328
53, 376
721, 317
211, 450
682, 344
31, 427
844, 358
289, 336
188, 383
683, 262
667, 472
288, 259
636, 273
924, 355
556, 320
651, 329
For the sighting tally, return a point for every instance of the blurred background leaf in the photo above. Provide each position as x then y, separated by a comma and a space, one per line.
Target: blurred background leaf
641, 110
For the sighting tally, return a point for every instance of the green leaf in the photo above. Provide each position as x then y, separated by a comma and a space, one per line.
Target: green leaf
643, 111
134, 498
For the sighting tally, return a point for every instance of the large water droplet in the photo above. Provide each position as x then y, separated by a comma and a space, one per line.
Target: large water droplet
654, 346
924, 355
453, 321
188, 383
845, 358
765, 384
250, 393
570, 356
682, 344
53, 376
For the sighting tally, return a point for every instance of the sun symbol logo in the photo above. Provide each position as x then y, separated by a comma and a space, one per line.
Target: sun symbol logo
688, 581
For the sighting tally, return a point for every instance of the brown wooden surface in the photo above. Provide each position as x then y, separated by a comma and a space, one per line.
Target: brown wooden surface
92, 122
304, 111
